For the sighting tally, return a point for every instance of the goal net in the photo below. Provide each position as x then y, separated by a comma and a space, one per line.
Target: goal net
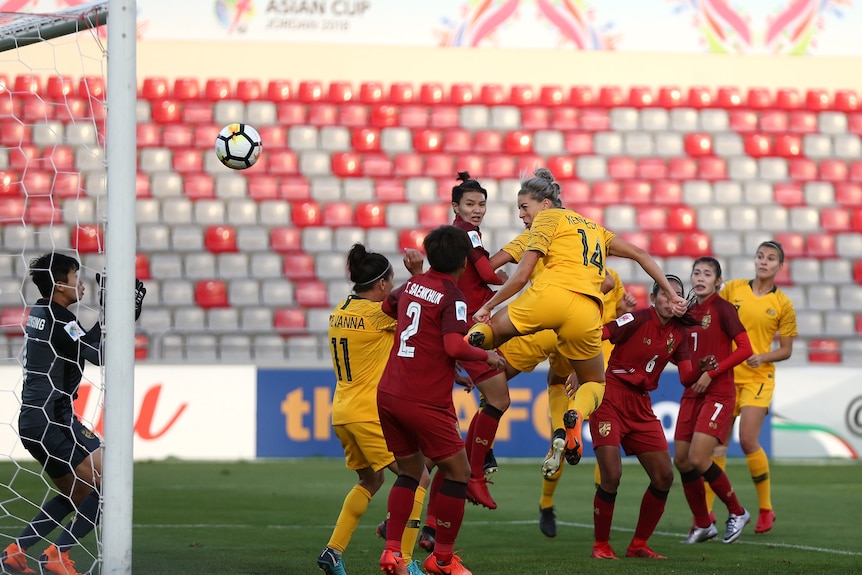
53, 86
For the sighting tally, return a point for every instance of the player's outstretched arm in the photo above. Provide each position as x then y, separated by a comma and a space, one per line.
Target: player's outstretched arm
622, 248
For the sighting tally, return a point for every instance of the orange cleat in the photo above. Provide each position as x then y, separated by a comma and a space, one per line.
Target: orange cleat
603, 551
14, 560
642, 551
53, 561
572, 421
454, 567
765, 521
392, 564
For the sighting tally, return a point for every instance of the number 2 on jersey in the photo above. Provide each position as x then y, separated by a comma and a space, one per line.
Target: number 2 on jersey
413, 312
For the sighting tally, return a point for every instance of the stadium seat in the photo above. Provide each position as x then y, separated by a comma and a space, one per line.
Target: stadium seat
670, 97
426, 140
461, 94
817, 100
291, 114
440, 166
803, 122
12, 210
431, 94
787, 146
831, 170
87, 238
846, 101
211, 294
518, 142
282, 162
564, 118
411, 239
789, 194
249, 89
594, 120
802, 169
551, 96
848, 194
788, 99
487, 142
285, 239
311, 293
535, 118
621, 167
457, 140
346, 165
681, 219
370, 215
611, 97
340, 92
651, 218
820, 245
309, 91
155, 88
13, 320
578, 143
185, 161
216, 89
773, 121
408, 165
711, 168
563, 167
306, 213
605, 192
793, 244
186, 88
521, 95
370, 93
220, 239
338, 214
729, 97
289, 321
641, 97
298, 266
682, 168
824, 351
699, 97
665, 192
434, 215
698, 144
322, 114
835, 220
574, 194
492, 95
695, 244
376, 165
166, 111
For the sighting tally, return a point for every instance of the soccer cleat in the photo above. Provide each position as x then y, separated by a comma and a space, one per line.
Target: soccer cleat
478, 494
53, 561
454, 567
765, 521
642, 551
574, 449
392, 564
14, 560
330, 562
427, 538
711, 520
548, 521
490, 466
603, 551
555, 456
413, 568
381, 529
480, 335
735, 525
701, 534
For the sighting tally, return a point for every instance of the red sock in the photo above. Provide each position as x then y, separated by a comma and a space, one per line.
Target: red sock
652, 508
695, 494
603, 515
720, 484
480, 437
450, 514
400, 505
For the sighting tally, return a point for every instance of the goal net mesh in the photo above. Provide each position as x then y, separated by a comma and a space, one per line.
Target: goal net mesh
52, 199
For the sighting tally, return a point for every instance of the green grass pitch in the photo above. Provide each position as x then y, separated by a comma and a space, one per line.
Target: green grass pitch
273, 517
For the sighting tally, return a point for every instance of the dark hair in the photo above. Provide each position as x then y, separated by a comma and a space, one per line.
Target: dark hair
447, 247
670, 278
542, 187
48, 269
466, 185
366, 267
774, 245
711, 261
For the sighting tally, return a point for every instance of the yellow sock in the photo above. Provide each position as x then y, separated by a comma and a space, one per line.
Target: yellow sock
758, 466
710, 494
485, 330
597, 475
558, 404
352, 510
549, 485
589, 397
411, 531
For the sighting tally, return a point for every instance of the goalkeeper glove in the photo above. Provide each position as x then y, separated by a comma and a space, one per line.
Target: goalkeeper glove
140, 292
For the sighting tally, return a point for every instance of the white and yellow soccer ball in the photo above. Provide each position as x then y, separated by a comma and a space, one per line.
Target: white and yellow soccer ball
238, 146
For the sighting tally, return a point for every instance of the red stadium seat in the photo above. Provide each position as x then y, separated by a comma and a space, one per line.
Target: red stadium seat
431, 94
322, 114
211, 293
37, 182
757, 145
759, 98
651, 168
857, 277
651, 218
166, 112
27, 84
711, 168
178, 136
187, 160
801, 169
338, 214
411, 239
666, 244
14, 134
518, 142
699, 97
389, 190
383, 116
35, 109
370, 215
681, 219
10, 184
70, 110
527, 164
155, 88
434, 215
681, 168
262, 187
142, 185
298, 266
500, 167
13, 320
743, 121
273, 137
578, 143
729, 97
788, 194
695, 244
408, 165
552, 95
371, 93
788, 99
783, 277
831, 170
824, 351
670, 97
279, 90
401, 93
611, 97
365, 139
410, 116
291, 114
855, 173
186, 88
640, 239
198, 186
68, 185
457, 140
773, 121
439, 165
461, 94
854, 123
352, 115
793, 244
285, 239
346, 165
665, 192
23, 156
574, 193
427, 140
444, 116
289, 321
856, 219
787, 145
846, 101
12, 210
698, 144
220, 239
377, 165
290, 188
621, 167
848, 194
594, 120
817, 100
582, 96
605, 192
492, 95
142, 267
636, 192
473, 163
803, 122
563, 167
820, 245
311, 293
522, 95
641, 97
87, 238
216, 89
142, 344
309, 91
249, 89
59, 158
564, 118
535, 118
306, 213
59, 88
487, 141
340, 92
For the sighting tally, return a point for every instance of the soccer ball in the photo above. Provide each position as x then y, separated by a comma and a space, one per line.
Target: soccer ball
238, 146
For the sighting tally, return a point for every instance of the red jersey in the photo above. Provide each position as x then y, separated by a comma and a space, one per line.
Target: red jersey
643, 347
427, 307
475, 279
719, 324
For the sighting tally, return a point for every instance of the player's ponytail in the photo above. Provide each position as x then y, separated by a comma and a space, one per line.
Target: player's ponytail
365, 268
467, 185
542, 186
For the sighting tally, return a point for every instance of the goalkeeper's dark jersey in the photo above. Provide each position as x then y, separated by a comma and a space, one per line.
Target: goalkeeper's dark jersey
54, 352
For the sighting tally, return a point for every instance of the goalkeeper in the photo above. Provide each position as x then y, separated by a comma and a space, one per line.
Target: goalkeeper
56, 347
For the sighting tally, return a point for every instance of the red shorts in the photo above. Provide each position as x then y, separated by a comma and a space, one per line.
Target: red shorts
411, 426
478, 370
709, 414
625, 417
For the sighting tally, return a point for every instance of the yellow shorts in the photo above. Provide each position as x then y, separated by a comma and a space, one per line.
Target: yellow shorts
576, 318
754, 394
364, 445
524, 353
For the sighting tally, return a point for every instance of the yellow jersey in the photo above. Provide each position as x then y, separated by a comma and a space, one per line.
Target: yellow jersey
516, 249
574, 249
763, 317
360, 338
